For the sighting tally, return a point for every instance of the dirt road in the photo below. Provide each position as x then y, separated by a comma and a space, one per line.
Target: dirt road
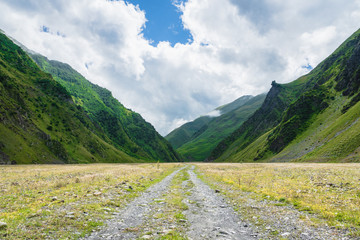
207, 217
182, 206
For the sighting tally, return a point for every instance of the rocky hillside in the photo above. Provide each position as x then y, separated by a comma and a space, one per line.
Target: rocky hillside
314, 118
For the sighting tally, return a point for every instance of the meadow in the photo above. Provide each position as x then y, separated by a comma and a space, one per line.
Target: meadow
69, 201
327, 191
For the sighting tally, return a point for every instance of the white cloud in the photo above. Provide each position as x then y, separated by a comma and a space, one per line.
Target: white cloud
239, 47
214, 113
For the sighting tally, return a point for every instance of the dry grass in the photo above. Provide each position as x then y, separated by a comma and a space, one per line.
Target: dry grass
332, 191
68, 201
166, 220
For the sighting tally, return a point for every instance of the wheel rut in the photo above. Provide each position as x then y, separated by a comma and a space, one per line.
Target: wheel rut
209, 216
128, 221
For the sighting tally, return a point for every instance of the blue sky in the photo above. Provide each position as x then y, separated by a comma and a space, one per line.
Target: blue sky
164, 22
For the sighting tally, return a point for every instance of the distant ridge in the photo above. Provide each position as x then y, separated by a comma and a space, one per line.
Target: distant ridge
195, 140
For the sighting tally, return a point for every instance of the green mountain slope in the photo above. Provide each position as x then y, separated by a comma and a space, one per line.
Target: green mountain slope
190, 130
311, 119
39, 123
195, 140
184, 133
234, 105
202, 143
127, 130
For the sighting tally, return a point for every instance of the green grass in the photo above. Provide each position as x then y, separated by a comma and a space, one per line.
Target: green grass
170, 212
35, 200
333, 137
330, 191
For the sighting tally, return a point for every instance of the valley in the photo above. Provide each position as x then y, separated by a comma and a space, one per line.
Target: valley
75, 163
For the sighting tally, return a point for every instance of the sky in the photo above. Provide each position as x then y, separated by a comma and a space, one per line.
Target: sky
163, 21
172, 61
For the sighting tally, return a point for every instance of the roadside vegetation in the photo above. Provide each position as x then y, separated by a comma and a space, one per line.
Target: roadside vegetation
68, 201
325, 191
166, 220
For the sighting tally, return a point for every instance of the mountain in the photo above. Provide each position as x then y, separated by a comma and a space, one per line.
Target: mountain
127, 130
204, 133
234, 105
184, 134
314, 118
40, 122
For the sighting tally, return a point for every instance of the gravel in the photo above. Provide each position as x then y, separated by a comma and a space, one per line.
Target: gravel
274, 220
210, 217
127, 223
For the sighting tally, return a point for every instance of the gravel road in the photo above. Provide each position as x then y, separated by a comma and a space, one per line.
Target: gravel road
210, 217
133, 215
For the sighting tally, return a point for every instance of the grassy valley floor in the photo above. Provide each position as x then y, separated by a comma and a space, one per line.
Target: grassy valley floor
318, 195
69, 201
174, 201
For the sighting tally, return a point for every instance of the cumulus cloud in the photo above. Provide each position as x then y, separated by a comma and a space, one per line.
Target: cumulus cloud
238, 48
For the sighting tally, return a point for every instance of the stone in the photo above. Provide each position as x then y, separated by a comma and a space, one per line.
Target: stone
33, 215
70, 215
223, 232
305, 234
3, 225
97, 193
167, 231
285, 234
54, 198
146, 237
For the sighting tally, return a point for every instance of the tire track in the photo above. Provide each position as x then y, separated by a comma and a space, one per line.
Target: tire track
127, 225
210, 217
